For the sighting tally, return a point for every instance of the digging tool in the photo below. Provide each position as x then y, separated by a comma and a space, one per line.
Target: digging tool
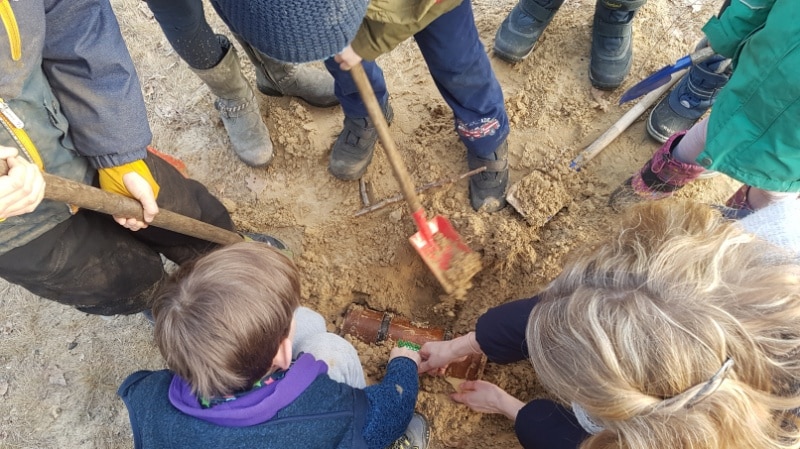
664, 75
88, 197
437, 242
528, 207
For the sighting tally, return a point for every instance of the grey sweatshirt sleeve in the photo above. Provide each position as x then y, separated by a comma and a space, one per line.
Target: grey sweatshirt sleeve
92, 76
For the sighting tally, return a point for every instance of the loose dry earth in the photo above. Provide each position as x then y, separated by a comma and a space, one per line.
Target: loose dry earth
61, 368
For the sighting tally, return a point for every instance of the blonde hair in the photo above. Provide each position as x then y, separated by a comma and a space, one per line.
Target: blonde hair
221, 319
635, 328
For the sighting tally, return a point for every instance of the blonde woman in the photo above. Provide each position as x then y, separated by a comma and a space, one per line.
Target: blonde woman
680, 331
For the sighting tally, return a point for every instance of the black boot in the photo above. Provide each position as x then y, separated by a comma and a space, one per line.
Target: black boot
353, 149
612, 45
487, 190
519, 32
690, 99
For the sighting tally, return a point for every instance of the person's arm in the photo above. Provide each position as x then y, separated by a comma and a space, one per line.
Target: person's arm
500, 331
726, 32
390, 22
92, 75
392, 401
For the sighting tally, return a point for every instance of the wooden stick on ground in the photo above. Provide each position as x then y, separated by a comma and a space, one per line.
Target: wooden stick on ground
397, 198
623, 123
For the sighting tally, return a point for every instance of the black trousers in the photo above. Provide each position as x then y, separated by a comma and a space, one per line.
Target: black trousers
92, 263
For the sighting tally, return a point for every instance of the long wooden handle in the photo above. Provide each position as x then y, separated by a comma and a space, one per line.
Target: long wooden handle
92, 198
623, 123
379, 121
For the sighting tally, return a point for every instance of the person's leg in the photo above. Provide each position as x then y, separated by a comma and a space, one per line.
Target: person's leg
352, 151
463, 74
692, 97
186, 197
312, 337
671, 167
89, 262
517, 35
612, 42
213, 59
186, 29
277, 79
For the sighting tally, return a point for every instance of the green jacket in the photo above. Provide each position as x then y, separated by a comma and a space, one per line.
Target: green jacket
754, 126
389, 22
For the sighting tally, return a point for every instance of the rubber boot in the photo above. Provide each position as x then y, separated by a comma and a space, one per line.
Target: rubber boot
520, 30
660, 177
238, 108
352, 152
487, 190
612, 43
690, 99
278, 79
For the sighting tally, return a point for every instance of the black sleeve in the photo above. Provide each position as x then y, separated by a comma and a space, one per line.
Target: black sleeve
501, 331
543, 424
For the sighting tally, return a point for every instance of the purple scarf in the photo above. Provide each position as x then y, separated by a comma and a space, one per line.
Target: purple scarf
255, 407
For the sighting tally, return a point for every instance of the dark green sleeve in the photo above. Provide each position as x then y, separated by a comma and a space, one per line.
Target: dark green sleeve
379, 35
727, 31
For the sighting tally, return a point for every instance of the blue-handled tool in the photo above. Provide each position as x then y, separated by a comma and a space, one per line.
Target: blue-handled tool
663, 76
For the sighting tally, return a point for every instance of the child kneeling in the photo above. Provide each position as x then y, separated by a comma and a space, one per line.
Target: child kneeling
234, 337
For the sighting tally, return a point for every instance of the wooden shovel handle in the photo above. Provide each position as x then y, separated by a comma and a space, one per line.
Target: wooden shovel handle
379, 121
92, 198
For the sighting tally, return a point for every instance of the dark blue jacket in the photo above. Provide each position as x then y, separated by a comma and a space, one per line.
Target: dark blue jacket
328, 414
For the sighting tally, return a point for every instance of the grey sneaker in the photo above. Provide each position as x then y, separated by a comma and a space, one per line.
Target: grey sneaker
353, 149
417, 436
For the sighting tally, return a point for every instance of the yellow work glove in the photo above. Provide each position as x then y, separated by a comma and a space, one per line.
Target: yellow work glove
111, 177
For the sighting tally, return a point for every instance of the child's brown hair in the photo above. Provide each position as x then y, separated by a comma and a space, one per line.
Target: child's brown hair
221, 319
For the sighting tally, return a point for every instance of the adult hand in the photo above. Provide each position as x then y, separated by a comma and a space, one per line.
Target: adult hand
140, 189
486, 397
404, 352
347, 59
436, 355
22, 188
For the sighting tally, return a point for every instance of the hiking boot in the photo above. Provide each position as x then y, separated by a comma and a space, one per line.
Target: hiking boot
659, 178
417, 436
690, 99
612, 43
520, 30
238, 108
353, 149
276, 79
487, 189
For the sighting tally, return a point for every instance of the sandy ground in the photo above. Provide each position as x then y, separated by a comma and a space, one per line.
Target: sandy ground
61, 368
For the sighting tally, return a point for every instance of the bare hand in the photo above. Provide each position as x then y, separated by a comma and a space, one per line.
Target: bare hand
404, 352
347, 59
486, 397
22, 188
140, 189
436, 356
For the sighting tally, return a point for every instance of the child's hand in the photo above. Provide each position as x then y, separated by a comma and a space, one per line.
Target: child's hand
405, 352
347, 59
22, 188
